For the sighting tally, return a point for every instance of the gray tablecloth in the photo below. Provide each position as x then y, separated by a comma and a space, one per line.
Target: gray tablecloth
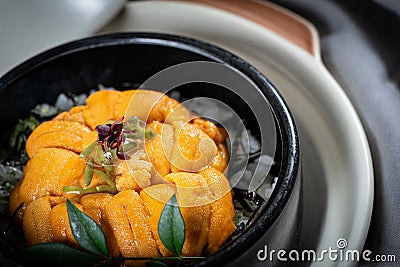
360, 45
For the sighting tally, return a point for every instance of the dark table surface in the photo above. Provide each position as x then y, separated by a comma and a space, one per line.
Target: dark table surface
360, 45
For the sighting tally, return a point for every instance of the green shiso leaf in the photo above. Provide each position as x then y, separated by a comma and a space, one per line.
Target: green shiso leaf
54, 254
86, 231
171, 227
88, 174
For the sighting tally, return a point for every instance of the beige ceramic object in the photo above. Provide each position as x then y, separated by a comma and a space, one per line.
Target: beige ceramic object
287, 24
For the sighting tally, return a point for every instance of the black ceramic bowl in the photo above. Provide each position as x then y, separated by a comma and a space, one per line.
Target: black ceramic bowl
126, 60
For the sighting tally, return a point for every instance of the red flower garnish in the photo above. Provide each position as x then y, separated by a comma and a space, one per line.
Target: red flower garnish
110, 136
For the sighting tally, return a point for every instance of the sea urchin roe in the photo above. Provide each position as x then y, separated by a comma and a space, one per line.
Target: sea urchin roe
193, 150
36, 222
49, 171
69, 135
125, 214
101, 157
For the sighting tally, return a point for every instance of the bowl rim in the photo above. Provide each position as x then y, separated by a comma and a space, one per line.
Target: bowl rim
290, 166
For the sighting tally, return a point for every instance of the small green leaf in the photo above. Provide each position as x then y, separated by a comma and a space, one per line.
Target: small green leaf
86, 152
171, 227
86, 231
73, 189
54, 254
45, 110
104, 176
88, 174
148, 134
133, 120
22, 130
106, 189
129, 146
109, 169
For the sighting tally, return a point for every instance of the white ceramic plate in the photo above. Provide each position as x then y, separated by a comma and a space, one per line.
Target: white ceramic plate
338, 176
30, 27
